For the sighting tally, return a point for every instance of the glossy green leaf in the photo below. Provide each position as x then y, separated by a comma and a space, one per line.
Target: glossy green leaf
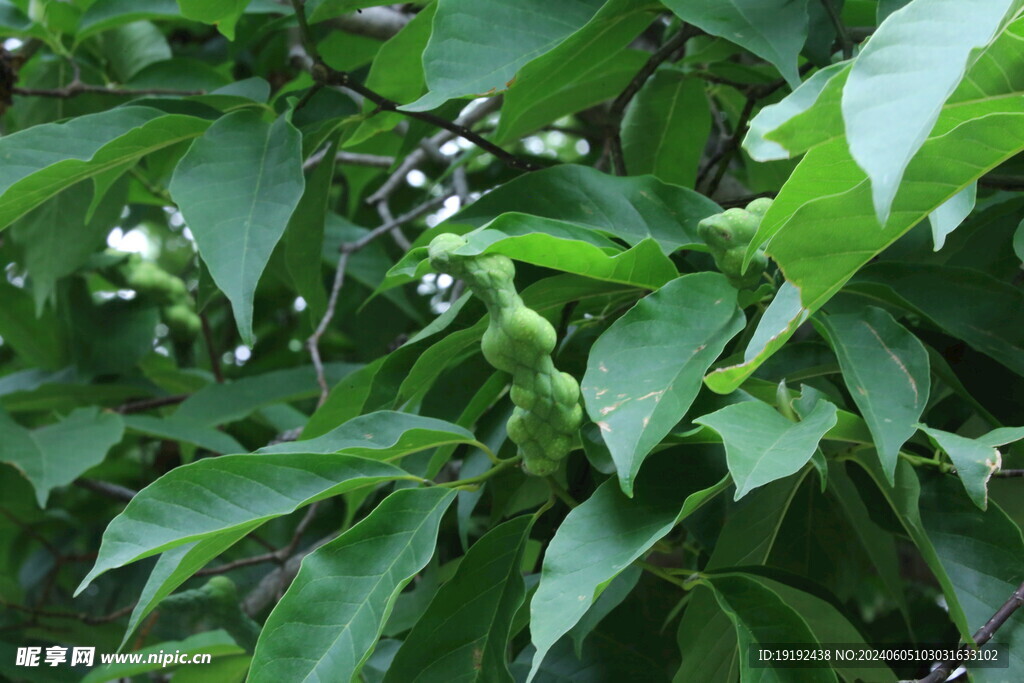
976, 460
304, 237
216, 643
666, 127
952, 213
383, 435
552, 244
631, 209
822, 226
223, 13
886, 371
780, 320
706, 637
131, 48
611, 597
904, 498
36, 339
225, 402
216, 495
41, 161
465, 631
761, 617
326, 625
645, 370
175, 567
901, 79
397, 73
771, 117
761, 445
774, 30
581, 71
57, 237
607, 532
237, 187
105, 14
55, 455
183, 429
983, 553
465, 56
964, 303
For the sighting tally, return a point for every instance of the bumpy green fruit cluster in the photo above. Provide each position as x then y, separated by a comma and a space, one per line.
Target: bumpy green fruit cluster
519, 341
155, 283
727, 234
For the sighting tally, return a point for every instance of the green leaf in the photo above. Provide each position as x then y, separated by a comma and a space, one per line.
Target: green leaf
962, 302
57, 237
225, 402
55, 455
611, 597
465, 631
761, 617
952, 213
632, 208
396, 73
304, 237
237, 186
105, 14
601, 537
223, 13
645, 370
218, 644
773, 116
182, 429
774, 30
828, 625
904, 498
983, 553
383, 435
42, 160
209, 497
132, 47
466, 56
326, 625
761, 445
551, 244
666, 127
885, 369
980, 126
35, 339
578, 72
976, 460
780, 320
707, 639
893, 97
175, 567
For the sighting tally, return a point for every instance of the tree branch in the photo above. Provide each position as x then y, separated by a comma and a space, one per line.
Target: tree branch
981, 636
618, 108
105, 488
150, 403
76, 88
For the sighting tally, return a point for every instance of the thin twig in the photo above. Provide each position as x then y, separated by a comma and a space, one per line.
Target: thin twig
150, 403
76, 88
346, 250
981, 636
1009, 473
280, 556
419, 155
618, 108
106, 488
313, 343
77, 616
731, 147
